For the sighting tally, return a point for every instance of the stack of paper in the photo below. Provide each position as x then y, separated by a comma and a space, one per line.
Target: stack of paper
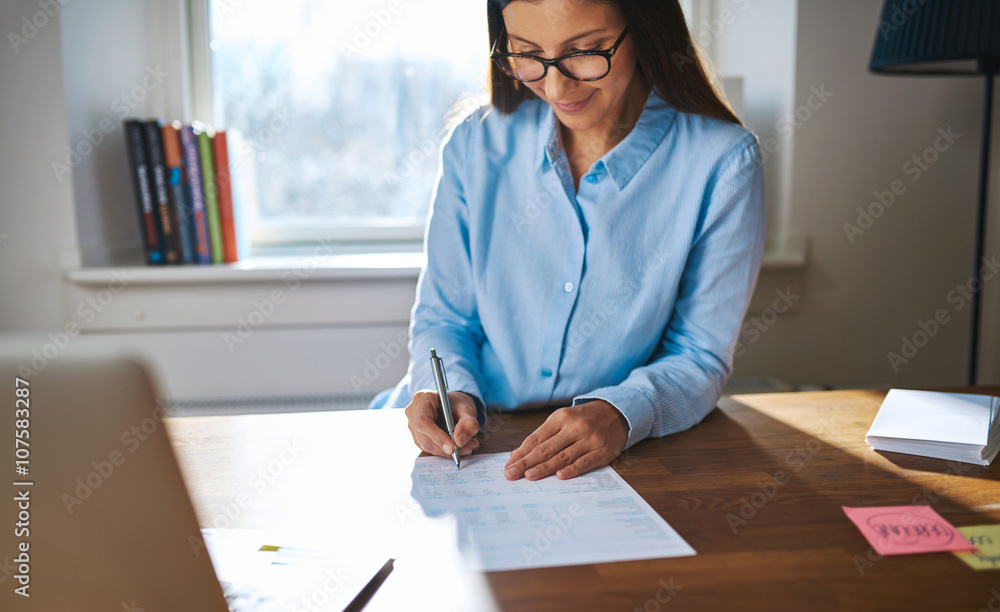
954, 426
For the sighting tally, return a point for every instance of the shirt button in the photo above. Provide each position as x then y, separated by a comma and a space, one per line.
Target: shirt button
546, 372
568, 287
592, 178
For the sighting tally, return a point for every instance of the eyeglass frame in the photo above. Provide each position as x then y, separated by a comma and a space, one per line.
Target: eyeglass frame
605, 53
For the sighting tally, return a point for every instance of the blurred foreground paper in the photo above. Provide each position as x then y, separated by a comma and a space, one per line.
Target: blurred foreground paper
265, 570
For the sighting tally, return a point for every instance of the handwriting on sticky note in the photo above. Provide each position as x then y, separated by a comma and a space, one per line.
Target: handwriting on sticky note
903, 530
986, 539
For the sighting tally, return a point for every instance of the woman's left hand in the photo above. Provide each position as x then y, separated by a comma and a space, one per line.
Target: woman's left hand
572, 441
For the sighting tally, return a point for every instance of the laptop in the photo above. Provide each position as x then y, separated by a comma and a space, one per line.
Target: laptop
96, 516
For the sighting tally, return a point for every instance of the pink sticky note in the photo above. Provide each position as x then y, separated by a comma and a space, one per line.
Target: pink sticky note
906, 530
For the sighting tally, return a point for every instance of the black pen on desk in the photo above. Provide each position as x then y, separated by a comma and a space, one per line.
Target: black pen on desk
441, 382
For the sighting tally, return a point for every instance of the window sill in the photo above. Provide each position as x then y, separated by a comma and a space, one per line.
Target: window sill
294, 290
277, 292
286, 265
269, 269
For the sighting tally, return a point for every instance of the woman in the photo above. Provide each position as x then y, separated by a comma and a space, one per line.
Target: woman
595, 236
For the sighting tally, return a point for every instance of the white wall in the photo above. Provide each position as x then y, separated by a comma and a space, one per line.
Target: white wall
100, 79
859, 299
116, 66
37, 218
756, 41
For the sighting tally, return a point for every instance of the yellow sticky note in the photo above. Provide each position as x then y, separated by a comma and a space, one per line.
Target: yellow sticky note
986, 539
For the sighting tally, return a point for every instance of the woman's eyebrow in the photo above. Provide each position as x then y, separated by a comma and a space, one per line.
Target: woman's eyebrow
565, 42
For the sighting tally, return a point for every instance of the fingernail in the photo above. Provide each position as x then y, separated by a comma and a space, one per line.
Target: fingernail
561, 474
460, 441
446, 448
512, 473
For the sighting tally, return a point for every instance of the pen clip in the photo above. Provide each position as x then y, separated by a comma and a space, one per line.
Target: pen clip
438, 364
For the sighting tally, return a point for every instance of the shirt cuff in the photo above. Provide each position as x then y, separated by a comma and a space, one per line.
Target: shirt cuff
473, 392
632, 403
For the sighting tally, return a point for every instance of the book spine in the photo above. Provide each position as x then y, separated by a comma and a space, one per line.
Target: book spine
143, 193
178, 191
192, 161
211, 195
244, 189
224, 181
185, 230
157, 165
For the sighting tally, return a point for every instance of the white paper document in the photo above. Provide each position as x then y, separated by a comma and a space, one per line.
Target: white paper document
953, 426
505, 525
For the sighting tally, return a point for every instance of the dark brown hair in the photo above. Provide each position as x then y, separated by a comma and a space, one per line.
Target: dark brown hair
668, 59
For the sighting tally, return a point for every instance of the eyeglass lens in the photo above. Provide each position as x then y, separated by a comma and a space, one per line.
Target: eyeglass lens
582, 67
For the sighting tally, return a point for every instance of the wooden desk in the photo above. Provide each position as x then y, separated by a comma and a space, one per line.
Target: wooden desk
793, 550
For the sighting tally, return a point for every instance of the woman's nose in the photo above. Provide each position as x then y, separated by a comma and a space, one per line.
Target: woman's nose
556, 84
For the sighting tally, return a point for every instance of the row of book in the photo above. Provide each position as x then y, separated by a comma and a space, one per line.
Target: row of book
189, 205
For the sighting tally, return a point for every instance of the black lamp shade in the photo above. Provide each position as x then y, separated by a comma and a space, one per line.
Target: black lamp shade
946, 37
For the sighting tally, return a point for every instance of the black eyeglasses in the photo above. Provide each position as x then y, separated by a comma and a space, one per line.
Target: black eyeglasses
579, 66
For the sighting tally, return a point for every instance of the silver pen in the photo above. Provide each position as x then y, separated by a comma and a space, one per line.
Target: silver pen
441, 382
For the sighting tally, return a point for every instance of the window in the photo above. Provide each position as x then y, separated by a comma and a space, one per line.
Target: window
343, 107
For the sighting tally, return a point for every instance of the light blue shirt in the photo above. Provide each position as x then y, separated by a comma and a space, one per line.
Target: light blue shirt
631, 290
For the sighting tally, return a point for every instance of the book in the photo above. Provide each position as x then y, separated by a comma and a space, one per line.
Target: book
161, 198
205, 137
192, 162
243, 184
139, 166
177, 189
954, 426
224, 181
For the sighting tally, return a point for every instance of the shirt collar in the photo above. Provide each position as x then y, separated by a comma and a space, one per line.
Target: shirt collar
548, 145
625, 159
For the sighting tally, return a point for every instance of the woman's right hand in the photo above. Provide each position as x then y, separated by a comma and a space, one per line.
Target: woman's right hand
423, 415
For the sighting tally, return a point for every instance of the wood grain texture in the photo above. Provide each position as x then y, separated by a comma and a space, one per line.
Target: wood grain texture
787, 462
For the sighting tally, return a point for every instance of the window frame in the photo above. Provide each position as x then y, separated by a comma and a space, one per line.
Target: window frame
378, 235
292, 233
